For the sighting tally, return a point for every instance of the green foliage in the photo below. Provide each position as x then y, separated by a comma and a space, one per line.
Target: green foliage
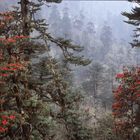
75, 119
133, 19
104, 129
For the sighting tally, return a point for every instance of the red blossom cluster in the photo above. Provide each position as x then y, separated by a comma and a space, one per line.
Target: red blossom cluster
11, 63
120, 75
14, 64
6, 122
10, 68
126, 100
117, 105
13, 39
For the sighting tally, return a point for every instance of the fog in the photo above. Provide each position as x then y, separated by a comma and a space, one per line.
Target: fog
98, 12
58, 77
98, 26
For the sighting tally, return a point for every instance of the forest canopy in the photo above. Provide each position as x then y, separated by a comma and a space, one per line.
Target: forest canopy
68, 74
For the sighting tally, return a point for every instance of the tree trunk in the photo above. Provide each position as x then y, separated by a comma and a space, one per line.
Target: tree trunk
25, 17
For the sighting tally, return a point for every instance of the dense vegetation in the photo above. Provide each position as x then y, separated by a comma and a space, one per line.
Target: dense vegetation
40, 98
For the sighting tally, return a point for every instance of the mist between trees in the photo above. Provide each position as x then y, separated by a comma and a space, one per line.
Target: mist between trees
69, 70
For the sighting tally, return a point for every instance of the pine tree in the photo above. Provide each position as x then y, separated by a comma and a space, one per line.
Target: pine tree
133, 19
66, 24
106, 39
79, 21
91, 28
94, 84
55, 21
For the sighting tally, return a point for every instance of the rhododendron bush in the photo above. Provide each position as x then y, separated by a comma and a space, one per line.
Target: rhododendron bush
13, 73
127, 103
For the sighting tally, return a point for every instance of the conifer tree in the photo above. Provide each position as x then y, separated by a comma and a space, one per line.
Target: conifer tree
133, 19
55, 21
66, 24
34, 90
106, 38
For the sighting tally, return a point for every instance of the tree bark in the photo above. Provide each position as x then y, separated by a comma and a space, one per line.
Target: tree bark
25, 17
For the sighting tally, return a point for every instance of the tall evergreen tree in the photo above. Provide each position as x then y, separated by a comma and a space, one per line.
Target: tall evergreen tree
94, 81
106, 39
31, 94
79, 21
66, 26
133, 19
55, 21
91, 28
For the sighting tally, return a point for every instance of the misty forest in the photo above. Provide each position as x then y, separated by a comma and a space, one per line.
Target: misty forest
69, 70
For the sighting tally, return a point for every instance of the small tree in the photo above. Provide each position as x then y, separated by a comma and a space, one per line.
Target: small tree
14, 70
126, 105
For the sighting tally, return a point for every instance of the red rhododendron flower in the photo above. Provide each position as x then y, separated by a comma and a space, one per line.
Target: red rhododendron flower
116, 105
4, 75
5, 68
13, 69
12, 117
15, 65
2, 129
138, 82
138, 95
4, 122
4, 117
20, 37
120, 75
10, 40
